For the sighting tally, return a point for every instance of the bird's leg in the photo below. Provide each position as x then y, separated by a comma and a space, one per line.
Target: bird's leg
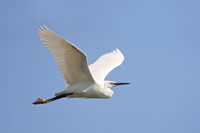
42, 101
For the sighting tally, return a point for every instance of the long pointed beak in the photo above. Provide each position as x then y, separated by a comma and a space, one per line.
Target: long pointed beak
121, 83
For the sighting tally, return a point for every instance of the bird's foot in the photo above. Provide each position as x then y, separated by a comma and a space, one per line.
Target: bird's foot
40, 101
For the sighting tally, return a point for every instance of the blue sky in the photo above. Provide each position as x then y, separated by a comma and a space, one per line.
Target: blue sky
161, 44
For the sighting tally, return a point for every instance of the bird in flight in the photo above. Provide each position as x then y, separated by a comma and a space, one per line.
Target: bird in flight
83, 81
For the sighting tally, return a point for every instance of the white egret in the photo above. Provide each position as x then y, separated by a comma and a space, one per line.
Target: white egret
82, 81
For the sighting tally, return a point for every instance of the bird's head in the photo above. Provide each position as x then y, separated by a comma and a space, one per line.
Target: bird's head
111, 84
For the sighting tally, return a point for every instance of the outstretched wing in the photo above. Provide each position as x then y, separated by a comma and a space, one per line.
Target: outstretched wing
105, 64
71, 61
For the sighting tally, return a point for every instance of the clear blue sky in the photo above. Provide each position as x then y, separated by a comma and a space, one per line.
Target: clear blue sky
160, 40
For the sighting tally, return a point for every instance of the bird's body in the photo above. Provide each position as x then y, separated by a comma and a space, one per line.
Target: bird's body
82, 81
88, 90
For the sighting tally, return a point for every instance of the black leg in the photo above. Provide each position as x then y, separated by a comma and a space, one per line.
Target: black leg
61, 96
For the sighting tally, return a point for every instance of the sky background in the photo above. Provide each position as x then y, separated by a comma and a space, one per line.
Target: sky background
160, 40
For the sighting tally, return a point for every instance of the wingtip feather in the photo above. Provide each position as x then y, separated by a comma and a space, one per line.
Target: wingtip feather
43, 28
118, 51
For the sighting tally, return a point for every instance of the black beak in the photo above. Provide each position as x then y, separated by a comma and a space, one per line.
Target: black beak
121, 83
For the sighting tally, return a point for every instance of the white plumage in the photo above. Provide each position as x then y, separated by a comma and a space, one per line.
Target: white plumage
82, 81
105, 64
71, 61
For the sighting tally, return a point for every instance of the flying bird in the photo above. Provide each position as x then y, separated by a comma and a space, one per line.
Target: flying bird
82, 81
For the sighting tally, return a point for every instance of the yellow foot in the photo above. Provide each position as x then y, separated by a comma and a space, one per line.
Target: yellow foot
40, 101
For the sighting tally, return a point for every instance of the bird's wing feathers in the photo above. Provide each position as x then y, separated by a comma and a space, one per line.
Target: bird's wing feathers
105, 64
71, 61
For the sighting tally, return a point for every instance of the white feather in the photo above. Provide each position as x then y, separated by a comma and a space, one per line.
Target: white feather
105, 64
71, 61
